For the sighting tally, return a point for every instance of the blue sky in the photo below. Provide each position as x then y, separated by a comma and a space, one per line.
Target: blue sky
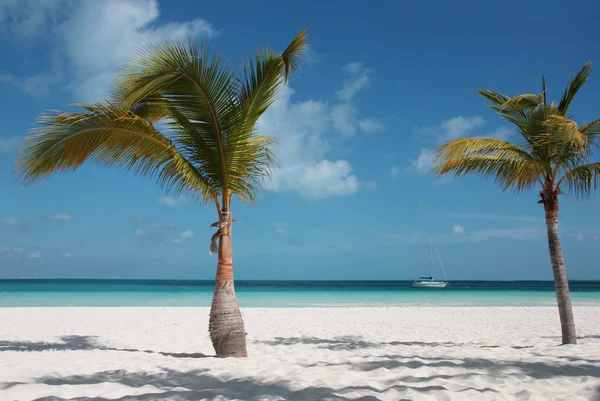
385, 83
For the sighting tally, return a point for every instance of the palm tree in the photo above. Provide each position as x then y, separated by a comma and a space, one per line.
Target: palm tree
207, 149
555, 153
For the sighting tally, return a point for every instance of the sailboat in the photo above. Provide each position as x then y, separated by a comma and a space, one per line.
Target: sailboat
429, 282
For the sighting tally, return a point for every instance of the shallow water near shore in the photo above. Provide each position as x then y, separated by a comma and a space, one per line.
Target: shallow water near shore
265, 294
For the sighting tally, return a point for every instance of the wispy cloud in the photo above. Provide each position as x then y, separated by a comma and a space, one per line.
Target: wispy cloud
344, 115
423, 164
457, 229
457, 127
9, 250
35, 255
12, 221
576, 234
503, 132
394, 171
171, 201
187, 234
303, 147
516, 234
452, 128
9, 144
492, 216
140, 233
281, 227
60, 217
92, 39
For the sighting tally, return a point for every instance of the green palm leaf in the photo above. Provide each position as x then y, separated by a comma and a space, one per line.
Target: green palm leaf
110, 136
576, 84
582, 180
212, 111
510, 165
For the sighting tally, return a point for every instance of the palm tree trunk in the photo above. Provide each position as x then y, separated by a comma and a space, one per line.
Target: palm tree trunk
226, 325
563, 296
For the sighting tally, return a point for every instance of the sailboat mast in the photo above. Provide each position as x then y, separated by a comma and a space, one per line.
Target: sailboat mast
430, 258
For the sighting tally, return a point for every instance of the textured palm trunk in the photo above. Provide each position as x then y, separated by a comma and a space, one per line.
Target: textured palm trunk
226, 325
549, 198
563, 295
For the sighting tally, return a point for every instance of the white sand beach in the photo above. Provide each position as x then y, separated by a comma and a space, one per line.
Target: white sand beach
155, 353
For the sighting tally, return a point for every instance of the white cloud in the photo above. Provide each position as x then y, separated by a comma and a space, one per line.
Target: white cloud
67, 255
94, 37
302, 145
344, 115
576, 234
370, 125
60, 217
7, 250
281, 227
187, 234
359, 78
12, 221
424, 162
457, 229
171, 201
503, 132
457, 127
302, 150
452, 128
140, 233
9, 144
515, 234
394, 171
343, 118
176, 241
35, 255
26, 19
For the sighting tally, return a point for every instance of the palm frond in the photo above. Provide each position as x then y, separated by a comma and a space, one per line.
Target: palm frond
582, 180
294, 54
466, 147
544, 92
497, 98
109, 136
509, 174
522, 101
576, 83
564, 132
592, 131
510, 165
213, 112
199, 86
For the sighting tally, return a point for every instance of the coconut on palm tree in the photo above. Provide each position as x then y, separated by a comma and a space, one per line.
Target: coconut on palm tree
554, 154
206, 146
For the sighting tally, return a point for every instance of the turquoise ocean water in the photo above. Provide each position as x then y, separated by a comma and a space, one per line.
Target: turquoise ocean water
276, 294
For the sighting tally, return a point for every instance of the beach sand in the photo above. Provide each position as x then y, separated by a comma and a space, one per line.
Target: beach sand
395, 353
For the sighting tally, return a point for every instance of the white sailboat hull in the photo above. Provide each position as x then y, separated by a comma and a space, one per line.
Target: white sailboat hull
429, 284
428, 281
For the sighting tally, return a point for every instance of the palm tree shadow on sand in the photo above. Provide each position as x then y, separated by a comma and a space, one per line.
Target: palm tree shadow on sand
81, 343
200, 384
